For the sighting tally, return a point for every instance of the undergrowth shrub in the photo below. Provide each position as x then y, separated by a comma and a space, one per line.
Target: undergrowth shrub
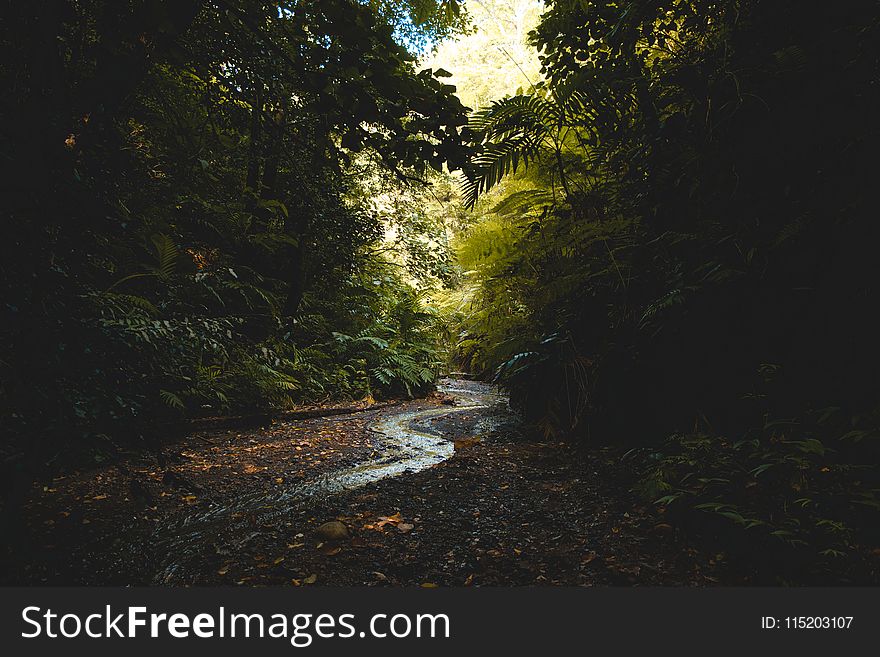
791, 498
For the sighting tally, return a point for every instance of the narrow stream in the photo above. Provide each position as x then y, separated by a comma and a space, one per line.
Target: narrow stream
409, 441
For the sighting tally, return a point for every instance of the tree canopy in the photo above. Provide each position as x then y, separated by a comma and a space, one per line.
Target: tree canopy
185, 228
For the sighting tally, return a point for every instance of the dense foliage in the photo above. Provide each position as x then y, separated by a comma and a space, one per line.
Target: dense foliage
685, 247
186, 228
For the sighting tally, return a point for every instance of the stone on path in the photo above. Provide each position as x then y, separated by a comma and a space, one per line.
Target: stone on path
333, 531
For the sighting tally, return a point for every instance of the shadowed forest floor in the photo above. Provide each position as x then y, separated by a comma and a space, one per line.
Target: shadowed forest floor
503, 510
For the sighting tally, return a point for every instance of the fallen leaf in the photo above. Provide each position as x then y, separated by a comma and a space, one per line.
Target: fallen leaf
464, 443
311, 579
384, 520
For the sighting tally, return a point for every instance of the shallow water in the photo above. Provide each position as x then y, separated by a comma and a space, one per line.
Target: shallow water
408, 441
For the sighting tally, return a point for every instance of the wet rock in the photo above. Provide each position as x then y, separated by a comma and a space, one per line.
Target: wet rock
333, 531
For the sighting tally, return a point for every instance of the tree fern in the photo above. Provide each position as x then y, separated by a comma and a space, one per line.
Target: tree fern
518, 129
523, 202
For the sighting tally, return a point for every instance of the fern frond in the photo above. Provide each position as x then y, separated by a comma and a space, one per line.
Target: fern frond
171, 399
522, 202
166, 255
511, 130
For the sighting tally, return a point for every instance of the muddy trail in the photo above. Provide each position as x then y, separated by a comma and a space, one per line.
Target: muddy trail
408, 440
434, 492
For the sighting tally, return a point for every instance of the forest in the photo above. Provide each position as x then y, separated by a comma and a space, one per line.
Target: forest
645, 223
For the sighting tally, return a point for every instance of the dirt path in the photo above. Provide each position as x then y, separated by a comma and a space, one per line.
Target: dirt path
428, 493
407, 439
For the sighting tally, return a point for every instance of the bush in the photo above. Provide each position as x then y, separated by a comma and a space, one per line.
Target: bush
794, 499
